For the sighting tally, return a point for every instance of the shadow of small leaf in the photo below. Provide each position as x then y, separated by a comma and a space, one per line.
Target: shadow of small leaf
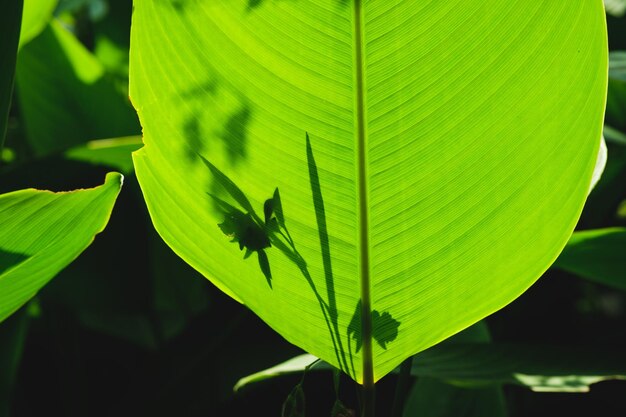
230, 187
354, 328
235, 135
384, 328
253, 4
248, 233
177, 5
191, 130
10, 259
265, 266
244, 228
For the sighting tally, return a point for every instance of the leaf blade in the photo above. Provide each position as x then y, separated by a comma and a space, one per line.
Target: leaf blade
44, 232
454, 178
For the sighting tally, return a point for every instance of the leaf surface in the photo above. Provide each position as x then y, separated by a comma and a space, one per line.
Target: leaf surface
42, 232
450, 149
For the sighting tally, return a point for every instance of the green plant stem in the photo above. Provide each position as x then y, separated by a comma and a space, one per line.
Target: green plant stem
402, 387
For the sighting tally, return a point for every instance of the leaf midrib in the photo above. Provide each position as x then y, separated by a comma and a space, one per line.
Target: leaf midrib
364, 261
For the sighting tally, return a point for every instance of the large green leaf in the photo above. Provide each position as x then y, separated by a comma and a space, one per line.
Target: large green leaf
451, 149
42, 232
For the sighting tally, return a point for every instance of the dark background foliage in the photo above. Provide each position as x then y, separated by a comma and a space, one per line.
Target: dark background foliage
129, 329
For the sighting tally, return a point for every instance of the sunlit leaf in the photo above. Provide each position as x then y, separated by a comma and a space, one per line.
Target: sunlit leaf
42, 232
37, 14
432, 158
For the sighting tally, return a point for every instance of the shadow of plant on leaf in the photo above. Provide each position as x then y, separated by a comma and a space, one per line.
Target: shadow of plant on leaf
255, 234
384, 327
245, 228
9, 259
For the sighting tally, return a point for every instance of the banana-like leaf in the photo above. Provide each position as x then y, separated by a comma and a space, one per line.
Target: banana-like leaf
449, 152
42, 232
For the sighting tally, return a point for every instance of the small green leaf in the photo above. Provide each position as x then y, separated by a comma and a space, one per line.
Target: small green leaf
42, 232
114, 153
597, 255
294, 405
